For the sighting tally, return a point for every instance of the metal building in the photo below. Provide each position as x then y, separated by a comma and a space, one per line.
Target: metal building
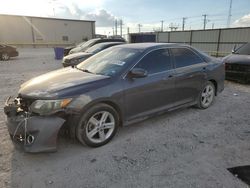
27, 30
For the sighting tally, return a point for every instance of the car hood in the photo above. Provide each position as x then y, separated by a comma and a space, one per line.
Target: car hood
65, 82
78, 55
236, 58
69, 47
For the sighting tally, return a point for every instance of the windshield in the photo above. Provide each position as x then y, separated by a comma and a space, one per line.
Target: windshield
87, 44
80, 44
109, 62
243, 50
96, 48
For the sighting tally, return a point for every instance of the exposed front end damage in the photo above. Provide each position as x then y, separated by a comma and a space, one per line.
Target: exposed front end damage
35, 133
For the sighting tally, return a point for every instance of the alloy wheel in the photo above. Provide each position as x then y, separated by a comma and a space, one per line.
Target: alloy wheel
100, 126
207, 96
5, 56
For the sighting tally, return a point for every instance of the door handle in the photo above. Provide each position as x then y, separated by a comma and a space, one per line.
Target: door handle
204, 69
167, 77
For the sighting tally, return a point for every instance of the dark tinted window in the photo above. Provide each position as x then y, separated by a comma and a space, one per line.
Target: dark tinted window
185, 57
156, 61
244, 49
96, 48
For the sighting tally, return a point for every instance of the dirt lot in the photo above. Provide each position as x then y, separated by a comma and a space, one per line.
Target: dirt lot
184, 148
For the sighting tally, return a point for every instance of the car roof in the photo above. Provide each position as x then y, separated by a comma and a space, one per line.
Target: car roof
151, 46
108, 43
144, 46
108, 39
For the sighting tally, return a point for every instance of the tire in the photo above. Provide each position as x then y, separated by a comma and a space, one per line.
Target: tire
97, 126
206, 96
5, 56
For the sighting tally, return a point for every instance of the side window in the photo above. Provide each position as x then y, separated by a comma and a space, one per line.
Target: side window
156, 61
185, 57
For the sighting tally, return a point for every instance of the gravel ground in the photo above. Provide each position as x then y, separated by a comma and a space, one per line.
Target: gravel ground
184, 148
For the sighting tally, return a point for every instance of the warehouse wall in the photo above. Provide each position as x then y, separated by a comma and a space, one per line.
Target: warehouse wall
14, 29
216, 41
25, 30
180, 37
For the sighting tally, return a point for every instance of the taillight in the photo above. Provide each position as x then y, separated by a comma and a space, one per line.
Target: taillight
226, 66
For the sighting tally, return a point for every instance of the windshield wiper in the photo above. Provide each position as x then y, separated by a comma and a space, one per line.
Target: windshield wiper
84, 70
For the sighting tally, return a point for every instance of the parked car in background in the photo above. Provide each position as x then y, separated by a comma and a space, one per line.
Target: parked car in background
237, 64
67, 49
118, 86
92, 42
7, 51
76, 58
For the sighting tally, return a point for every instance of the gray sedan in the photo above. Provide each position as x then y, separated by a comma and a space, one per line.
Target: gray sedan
116, 87
76, 58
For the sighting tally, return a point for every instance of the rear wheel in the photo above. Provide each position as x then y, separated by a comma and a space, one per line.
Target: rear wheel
5, 56
98, 125
206, 96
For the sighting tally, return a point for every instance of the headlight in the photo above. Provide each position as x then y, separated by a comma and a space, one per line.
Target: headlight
77, 61
46, 107
74, 61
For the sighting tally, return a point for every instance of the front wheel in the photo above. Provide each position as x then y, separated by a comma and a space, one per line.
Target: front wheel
206, 96
98, 125
5, 56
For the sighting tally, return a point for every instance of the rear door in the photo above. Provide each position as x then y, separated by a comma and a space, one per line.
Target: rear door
153, 92
190, 71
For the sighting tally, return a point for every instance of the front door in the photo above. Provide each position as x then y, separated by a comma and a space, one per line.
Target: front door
153, 92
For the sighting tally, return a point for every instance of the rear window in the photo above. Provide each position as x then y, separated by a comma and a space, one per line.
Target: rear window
185, 57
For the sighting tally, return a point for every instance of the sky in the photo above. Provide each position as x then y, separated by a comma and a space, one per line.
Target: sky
147, 13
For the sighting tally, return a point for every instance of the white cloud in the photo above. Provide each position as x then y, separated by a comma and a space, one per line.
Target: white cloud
244, 21
102, 17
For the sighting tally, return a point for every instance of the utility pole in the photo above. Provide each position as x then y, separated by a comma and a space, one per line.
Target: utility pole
183, 23
128, 30
53, 6
204, 21
139, 27
212, 25
229, 13
115, 26
121, 23
162, 25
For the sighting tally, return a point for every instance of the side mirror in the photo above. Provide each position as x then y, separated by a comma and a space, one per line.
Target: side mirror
234, 49
137, 73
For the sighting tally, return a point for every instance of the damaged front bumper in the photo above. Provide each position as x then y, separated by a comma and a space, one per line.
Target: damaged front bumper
35, 133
